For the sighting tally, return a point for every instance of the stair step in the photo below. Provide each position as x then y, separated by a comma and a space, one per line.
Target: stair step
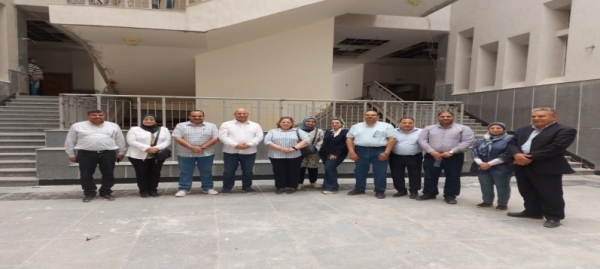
24, 142
44, 125
29, 120
29, 117
17, 156
17, 172
23, 101
32, 129
28, 97
583, 171
21, 135
18, 181
17, 164
18, 149
33, 108
5, 111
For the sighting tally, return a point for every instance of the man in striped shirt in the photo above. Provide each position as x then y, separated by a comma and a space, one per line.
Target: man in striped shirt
35, 77
195, 140
445, 144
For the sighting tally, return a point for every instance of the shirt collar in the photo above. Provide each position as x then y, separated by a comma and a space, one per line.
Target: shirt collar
533, 126
190, 123
411, 131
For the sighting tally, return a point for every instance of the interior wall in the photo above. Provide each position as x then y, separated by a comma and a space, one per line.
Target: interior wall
293, 64
347, 81
83, 71
424, 76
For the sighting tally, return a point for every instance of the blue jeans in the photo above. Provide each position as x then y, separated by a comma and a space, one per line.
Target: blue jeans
452, 168
230, 165
186, 167
34, 87
330, 180
368, 156
502, 182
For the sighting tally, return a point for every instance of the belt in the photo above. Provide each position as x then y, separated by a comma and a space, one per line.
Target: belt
97, 151
380, 147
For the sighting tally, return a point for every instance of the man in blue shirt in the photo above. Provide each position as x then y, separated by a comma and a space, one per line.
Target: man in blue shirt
407, 154
370, 143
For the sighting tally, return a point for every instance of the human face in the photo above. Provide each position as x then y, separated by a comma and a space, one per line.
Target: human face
310, 123
241, 115
371, 117
336, 125
33, 61
541, 119
495, 130
406, 125
445, 119
197, 117
285, 124
149, 121
96, 118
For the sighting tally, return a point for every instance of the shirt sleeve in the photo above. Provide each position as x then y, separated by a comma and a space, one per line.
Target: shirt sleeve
178, 132
423, 140
269, 138
258, 136
224, 135
120, 140
467, 137
71, 141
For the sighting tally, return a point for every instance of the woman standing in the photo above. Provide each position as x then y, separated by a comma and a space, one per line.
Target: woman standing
143, 146
493, 165
311, 161
284, 153
332, 153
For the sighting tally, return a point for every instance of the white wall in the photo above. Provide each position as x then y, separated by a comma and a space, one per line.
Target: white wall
584, 32
347, 81
293, 64
8, 39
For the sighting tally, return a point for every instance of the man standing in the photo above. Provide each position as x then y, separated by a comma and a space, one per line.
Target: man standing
195, 139
538, 153
445, 144
407, 154
95, 143
35, 77
370, 143
240, 138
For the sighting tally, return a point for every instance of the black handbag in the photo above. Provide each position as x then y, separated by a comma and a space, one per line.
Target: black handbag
310, 149
162, 154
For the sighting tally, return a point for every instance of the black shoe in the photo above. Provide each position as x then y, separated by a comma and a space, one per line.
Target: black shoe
523, 215
484, 204
279, 191
450, 200
551, 223
400, 194
380, 195
501, 207
154, 194
425, 197
225, 192
144, 194
290, 190
249, 190
88, 199
413, 195
356, 192
108, 197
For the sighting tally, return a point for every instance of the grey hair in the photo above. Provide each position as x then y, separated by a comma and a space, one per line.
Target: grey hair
544, 108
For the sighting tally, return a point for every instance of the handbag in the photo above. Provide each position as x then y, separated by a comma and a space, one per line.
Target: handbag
310, 149
162, 154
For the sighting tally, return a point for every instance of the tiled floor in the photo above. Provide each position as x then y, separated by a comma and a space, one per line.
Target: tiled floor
49, 227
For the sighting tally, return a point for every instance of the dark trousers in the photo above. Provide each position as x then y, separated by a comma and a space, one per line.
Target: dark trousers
230, 165
542, 194
412, 163
147, 173
88, 161
452, 168
330, 180
312, 174
286, 172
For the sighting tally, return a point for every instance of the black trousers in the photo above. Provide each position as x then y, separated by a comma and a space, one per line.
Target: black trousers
147, 173
312, 174
412, 163
542, 194
286, 172
88, 161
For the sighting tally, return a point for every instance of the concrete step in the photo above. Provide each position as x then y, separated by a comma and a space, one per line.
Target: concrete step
16, 119
17, 156
27, 108
31, 129
32, 101
28, 97
30, 117
18, 181
5, 111
17, 172
40, 124
583, 171
22, 135
18, 149
24, 142
17, 164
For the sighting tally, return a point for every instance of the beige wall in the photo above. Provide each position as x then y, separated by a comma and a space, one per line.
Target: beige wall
347, 81
294, 64
8, 39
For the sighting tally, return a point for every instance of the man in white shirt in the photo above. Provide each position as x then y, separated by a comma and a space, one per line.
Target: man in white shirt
93, 143
240, 138
407, 154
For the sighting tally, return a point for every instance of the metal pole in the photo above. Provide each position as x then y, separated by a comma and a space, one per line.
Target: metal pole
139, 111
164, 111
61, 111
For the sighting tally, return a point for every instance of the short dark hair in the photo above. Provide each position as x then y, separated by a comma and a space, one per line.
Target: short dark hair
95, 111
406, 118
445, 111
196, 110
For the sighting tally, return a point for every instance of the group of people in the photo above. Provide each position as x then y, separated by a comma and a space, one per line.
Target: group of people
535, 154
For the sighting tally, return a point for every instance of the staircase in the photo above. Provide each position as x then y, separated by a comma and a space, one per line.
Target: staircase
22, 124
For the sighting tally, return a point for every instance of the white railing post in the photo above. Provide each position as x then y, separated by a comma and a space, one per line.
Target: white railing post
164, 111
139, 111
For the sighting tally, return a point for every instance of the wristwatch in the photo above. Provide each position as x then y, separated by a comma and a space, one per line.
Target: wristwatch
386, 152
451, 152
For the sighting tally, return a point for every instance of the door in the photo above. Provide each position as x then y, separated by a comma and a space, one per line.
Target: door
55, 83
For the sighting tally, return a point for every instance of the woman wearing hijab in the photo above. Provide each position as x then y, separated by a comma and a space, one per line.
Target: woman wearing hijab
333, 152
143, 146
493, 165
311, 162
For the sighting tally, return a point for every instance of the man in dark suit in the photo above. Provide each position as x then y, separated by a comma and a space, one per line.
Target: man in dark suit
538, 153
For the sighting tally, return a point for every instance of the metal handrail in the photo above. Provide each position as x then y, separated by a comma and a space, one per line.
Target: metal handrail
126, 110
137, 4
